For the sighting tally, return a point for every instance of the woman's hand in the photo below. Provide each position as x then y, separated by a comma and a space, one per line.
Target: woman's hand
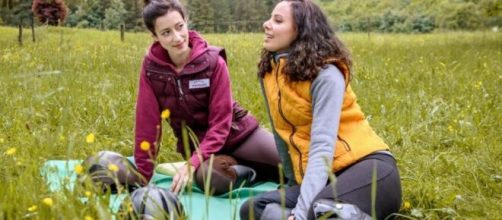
291, 217
183, 177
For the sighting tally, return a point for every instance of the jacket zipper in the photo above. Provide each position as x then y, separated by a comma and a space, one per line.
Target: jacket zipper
177, 84
291, 140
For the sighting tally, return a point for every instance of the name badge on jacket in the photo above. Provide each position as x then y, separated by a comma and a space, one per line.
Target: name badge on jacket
198, 83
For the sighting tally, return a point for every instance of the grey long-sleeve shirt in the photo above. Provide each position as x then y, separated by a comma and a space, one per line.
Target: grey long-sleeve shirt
327, 91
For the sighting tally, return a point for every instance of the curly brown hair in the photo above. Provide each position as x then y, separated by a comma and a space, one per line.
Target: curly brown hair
315, 46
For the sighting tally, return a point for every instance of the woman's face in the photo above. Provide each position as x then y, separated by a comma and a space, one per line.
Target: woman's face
280, 29
172, 33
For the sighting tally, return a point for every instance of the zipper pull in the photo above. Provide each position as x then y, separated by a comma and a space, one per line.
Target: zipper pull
180, 90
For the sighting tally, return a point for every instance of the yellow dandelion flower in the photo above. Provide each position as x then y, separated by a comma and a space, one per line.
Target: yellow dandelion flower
112, 167
79, 169
450, 128
19, 163
88, 218
90, 138
48, 201
61, 138
88, 193
32, 208
165, 114
145, 146
11, 151
1, 140
407, 205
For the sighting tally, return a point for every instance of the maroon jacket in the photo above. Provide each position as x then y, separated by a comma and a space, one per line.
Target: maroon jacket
199, 95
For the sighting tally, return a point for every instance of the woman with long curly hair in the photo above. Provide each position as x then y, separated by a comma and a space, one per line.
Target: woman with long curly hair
320, 129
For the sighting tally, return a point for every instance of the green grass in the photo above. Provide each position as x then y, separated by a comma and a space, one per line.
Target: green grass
434, 98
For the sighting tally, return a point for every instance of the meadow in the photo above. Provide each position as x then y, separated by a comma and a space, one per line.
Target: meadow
434, 98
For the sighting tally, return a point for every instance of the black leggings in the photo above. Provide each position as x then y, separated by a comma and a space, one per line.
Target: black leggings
353, 185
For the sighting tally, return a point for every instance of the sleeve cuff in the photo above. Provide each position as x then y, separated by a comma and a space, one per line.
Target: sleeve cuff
194, 160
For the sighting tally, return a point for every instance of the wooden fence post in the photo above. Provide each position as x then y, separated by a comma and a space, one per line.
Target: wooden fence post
369, 27
32, 28
20, 36
122, 27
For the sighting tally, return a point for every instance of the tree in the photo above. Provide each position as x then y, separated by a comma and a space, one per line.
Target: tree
201, 15
133, 19
459, 15
222, 15
250, 15
114, 15
51, 12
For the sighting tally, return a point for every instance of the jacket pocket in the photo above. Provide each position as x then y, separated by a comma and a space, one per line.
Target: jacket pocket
342, 147
159, 83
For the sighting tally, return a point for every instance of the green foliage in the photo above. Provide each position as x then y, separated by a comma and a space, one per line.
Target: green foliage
249, 15
391, 16
458, 16
114, 15
133, 19
22, 12
86, 16
420, 24
201, 15
413, 15
222, 16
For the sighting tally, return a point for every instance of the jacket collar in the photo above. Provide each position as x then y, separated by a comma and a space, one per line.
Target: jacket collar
158, 55
280, 54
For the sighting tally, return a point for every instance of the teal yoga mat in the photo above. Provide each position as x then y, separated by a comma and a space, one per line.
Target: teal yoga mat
60, 173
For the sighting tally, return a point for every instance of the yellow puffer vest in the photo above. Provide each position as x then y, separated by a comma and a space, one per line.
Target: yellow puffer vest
290, 105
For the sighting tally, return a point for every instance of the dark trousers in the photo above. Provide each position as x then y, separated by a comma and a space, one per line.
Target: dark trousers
353, 185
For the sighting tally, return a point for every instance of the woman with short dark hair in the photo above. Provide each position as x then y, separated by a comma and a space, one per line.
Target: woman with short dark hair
186, 80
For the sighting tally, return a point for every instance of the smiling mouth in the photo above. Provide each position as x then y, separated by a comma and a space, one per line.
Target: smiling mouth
268, 37
180, 45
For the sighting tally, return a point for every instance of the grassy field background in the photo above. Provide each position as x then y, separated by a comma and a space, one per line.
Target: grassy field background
434, 98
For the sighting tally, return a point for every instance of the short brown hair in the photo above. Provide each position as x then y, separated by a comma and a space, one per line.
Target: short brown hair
156, 8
